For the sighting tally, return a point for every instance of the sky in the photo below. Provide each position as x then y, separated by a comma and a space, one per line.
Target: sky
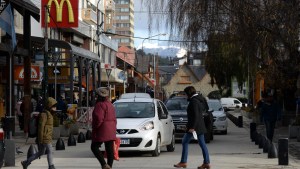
141, 28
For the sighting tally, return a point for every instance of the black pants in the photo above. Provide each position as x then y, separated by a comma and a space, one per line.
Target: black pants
109, 148
21, 122
270, 126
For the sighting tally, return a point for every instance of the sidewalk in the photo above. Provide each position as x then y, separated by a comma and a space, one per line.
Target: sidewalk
280, 132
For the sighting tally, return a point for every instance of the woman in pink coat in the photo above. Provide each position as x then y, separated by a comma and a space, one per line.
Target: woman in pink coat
104, 128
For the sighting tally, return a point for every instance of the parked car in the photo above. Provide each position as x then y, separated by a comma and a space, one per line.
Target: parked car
231, 103
177, 106
144, 124
220, 120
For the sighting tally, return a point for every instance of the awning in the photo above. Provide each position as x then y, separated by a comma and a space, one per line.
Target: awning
65, 45
26, 5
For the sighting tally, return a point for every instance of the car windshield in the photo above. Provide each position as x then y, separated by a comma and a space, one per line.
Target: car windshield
134, 110
215, 106
177, 104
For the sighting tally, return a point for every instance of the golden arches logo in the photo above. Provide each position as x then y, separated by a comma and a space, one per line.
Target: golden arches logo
59, 8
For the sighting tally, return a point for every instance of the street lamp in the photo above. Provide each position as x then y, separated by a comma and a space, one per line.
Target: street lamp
108, 71
162, 34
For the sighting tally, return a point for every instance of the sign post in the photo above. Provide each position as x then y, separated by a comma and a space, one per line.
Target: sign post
108, 72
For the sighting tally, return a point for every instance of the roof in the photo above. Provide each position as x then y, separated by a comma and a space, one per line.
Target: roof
66, 45
26, 5
199, 71
126, 54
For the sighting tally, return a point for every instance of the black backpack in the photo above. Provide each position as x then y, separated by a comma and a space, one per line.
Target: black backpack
34, 125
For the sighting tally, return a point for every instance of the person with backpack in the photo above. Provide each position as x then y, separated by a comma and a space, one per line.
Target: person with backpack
44, 138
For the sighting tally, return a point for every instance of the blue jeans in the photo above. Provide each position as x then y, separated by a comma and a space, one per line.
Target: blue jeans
185, 147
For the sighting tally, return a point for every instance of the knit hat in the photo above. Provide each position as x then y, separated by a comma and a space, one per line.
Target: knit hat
102, 91
51, 102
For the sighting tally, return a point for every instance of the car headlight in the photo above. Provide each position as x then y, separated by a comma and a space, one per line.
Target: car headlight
223, 118
148, 126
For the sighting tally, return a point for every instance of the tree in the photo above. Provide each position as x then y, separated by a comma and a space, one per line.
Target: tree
249, 35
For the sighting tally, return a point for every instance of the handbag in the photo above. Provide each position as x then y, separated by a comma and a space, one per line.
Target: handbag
116, 149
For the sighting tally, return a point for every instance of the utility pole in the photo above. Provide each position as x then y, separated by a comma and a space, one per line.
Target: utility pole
98, 40
45, 77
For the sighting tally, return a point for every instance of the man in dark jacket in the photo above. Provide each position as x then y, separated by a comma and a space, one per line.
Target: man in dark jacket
197, 106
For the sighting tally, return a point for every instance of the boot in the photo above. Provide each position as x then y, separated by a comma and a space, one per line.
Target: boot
24, 164
204, 166
180, 165
51, 167
106, 166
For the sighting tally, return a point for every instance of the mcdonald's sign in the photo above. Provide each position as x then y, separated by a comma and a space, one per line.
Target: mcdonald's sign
62, 13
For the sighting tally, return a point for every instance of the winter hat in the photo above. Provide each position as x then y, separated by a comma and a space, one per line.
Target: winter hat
51, 102
102, 91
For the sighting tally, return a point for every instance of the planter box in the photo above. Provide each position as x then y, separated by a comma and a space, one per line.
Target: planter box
56, 133
64, 131
293, 131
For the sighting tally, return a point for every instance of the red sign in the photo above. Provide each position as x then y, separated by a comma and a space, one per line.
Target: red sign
19, 72
62, 13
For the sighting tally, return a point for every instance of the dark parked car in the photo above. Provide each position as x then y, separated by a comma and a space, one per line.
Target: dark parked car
177, 106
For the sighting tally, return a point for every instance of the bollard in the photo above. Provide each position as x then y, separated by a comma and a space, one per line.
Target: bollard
283, 151
88, 135
240, 121
31, 150
60, 145
272, 151
266, 145
71, 140
81, 138
255, 135
252, 130
261, 142
257, 140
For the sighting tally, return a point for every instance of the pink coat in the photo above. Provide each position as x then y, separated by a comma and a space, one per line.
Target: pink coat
104, 122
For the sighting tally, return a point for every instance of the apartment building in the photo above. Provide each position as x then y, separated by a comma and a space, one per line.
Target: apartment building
124, 22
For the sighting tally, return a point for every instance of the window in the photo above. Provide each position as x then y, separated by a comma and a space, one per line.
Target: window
123, 9
123, 25
185, 80
122, 1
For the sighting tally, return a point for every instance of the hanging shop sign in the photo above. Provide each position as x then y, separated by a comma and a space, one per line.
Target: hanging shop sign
62, 13
19, 73
62, 75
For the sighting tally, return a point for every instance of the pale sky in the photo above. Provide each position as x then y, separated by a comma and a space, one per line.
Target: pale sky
141, 27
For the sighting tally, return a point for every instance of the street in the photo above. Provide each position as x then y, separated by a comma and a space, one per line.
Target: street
231, 151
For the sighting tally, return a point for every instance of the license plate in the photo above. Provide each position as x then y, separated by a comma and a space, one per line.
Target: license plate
125, 141
180, 127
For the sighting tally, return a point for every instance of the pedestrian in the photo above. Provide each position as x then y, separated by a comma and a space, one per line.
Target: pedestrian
195, 110
20, 114
44, 138
103, 128
270, 113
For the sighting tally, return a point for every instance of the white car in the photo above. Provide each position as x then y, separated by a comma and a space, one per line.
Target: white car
220, 120
231, 103
144, 124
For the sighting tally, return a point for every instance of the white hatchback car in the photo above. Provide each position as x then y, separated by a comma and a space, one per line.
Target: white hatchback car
220, 120
144, 124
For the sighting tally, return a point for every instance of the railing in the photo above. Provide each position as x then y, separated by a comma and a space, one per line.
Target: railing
84, 117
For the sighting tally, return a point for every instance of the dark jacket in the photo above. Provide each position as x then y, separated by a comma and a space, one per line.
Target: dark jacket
195, 110
104, 122
270, 111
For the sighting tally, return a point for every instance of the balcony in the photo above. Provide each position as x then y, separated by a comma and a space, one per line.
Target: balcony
89, 16
110, 5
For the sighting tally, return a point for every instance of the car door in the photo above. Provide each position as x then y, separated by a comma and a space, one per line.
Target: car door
166, 122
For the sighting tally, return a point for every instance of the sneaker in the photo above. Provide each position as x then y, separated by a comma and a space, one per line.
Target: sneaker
51, 167
106, 166
24, 164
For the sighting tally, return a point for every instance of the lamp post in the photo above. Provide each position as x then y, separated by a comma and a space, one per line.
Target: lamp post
108, 71
163, 34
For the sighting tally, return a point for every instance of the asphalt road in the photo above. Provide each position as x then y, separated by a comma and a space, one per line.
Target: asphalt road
232, 151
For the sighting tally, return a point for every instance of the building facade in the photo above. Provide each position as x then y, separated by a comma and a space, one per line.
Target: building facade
124, 23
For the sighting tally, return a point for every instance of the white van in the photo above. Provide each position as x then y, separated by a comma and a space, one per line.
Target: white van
231, 103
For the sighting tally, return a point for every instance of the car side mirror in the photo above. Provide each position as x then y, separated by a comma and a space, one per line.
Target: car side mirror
163, 116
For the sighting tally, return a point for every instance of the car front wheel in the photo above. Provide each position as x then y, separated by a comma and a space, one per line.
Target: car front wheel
156, 151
